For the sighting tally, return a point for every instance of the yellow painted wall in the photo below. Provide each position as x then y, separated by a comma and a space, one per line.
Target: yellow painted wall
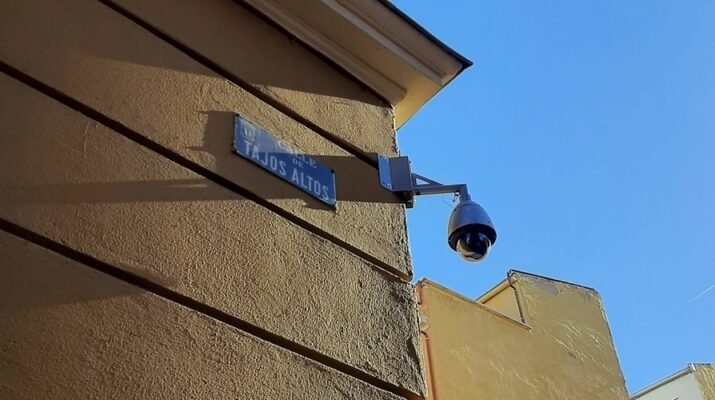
116, 165
563, 351
505, 302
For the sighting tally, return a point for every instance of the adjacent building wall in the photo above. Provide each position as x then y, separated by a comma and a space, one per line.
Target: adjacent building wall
141, 258
696, 382
503, 299
684, 386
562, 350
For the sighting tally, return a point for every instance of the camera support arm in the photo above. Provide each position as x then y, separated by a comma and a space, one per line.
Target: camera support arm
396, 176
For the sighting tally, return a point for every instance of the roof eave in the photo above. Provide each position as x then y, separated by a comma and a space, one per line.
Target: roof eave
374, 42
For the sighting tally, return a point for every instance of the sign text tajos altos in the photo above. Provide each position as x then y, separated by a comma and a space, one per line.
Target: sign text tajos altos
284, 160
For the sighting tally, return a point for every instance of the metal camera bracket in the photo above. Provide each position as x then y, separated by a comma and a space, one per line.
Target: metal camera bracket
396, 176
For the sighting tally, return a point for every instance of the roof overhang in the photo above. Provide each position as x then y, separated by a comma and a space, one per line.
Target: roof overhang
374, 42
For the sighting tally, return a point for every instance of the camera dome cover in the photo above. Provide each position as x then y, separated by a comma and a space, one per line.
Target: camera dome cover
468, 215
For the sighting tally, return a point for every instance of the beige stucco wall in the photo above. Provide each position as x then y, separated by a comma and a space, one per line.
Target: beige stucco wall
115, 150
69, 332
563, 351
165, 96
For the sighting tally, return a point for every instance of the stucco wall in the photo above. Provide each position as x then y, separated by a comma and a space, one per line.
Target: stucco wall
696, 382
563, 351
705, 373
336, 105
505, 302
70, 332
115, 150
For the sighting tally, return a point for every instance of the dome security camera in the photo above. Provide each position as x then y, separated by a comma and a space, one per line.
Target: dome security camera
470, 231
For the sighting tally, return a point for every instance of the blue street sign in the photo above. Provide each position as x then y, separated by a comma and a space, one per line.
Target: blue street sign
284, 160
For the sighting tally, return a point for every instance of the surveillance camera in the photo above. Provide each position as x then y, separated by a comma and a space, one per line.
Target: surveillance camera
471, 231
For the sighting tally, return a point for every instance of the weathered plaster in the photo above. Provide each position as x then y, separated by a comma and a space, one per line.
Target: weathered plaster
329, 98
81, 184
69, 332
161, 93
567, 353
705, 374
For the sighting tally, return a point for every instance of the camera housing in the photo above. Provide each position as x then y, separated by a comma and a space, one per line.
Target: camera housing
470, 231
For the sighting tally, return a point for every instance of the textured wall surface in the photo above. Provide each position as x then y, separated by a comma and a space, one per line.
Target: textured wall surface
505, 303
705, 373
328, 99
127, 206
69, 332
563, 351
115, 154
158, 92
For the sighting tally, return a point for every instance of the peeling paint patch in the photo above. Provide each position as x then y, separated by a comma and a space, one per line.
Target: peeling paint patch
543, 284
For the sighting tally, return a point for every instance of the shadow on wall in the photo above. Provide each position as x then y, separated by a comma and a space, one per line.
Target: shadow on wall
85, 63
278, 62
355, 180
31, 278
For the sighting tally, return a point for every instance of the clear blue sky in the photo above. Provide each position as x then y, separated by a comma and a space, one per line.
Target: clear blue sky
587, 130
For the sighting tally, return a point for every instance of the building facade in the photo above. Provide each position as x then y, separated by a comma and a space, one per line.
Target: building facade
141, 258
530, 337
695, 382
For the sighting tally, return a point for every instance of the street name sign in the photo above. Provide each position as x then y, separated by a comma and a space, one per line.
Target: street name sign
283, 160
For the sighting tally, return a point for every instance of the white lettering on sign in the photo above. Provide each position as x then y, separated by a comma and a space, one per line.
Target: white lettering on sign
282, 159
306, 182
299, 178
